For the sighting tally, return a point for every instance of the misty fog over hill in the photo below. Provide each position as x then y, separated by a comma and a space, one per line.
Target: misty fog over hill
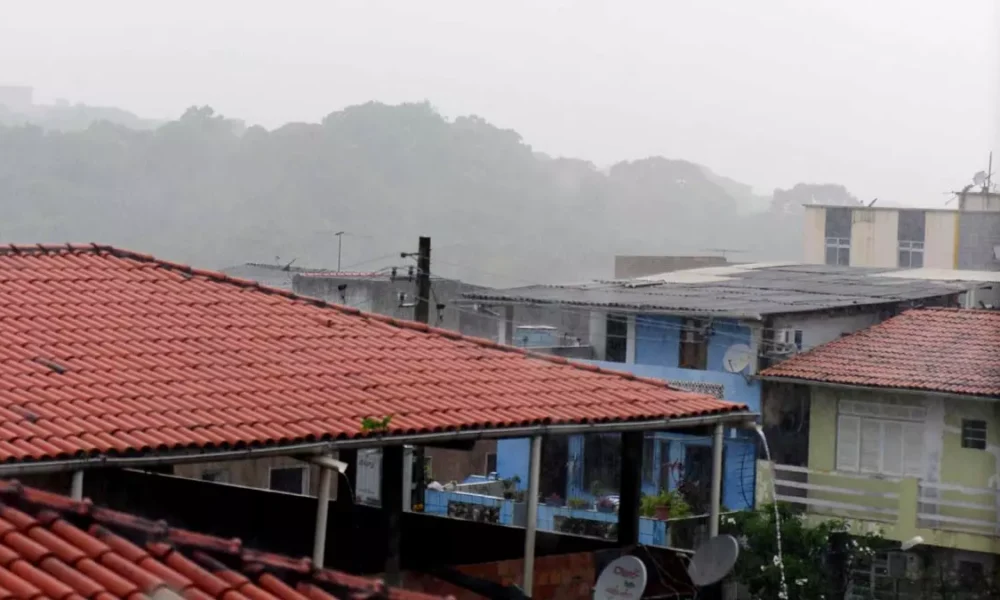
205, 190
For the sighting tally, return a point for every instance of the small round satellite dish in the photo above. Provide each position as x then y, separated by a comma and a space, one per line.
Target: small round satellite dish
624, 578
713, 560
979, 178
737, 358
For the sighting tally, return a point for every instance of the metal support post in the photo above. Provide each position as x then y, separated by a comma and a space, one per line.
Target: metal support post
392, 507
716, 497
532, 525
76, 486
322, 513
630, 488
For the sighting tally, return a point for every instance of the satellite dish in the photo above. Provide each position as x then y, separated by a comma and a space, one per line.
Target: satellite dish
624, 578
979, 178
737, 358
713, 560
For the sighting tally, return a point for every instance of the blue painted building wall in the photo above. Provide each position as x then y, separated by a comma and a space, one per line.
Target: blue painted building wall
657, 353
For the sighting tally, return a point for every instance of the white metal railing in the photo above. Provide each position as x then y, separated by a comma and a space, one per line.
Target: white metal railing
836, 493
958, 508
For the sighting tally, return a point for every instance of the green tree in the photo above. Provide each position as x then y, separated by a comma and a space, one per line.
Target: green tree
807, 552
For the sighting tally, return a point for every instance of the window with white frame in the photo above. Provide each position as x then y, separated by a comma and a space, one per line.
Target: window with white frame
838, 251
876, 437
911, 230
838, 235
911, 254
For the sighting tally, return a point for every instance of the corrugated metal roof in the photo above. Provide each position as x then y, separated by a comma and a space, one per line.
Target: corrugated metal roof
747, 292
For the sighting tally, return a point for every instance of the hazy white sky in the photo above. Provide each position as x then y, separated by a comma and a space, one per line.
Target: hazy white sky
893, 98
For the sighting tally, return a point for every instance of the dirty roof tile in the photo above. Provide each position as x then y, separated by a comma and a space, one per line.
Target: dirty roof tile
55, 547
940, 350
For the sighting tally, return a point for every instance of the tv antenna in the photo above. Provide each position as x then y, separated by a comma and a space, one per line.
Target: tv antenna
713, 560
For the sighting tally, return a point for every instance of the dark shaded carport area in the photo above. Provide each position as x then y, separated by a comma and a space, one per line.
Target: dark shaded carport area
388, 541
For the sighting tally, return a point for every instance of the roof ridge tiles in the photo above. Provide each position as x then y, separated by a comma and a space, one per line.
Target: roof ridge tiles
219, 277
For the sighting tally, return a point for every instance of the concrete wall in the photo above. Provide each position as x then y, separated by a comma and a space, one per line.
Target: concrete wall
628, 267
814, 235
252, 473
455, 465
874, 237
874, 240
939, 239
979, 232
381, 295
819, 329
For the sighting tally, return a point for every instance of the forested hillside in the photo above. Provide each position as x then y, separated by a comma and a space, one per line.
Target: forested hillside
203, 190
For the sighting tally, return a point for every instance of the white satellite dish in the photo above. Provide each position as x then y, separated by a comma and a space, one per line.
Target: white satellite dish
624, 578
979, 178
713, 560
737, 358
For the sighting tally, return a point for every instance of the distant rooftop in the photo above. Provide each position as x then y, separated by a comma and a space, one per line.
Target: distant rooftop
751, 291
941, 350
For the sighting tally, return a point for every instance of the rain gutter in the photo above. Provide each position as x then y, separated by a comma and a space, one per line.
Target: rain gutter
735, 419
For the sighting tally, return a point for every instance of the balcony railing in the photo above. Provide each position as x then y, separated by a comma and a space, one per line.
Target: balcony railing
901, 507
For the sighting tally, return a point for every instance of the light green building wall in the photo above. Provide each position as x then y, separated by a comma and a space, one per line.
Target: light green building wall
971, 474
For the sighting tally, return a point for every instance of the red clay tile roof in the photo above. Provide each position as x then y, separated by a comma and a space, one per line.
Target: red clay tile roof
54, 547
104, 351
943, 350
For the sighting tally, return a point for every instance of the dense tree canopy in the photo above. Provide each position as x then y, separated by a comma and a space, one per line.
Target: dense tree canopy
203, 189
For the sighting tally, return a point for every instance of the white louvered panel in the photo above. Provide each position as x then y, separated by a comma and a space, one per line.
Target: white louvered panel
892, 447
871, 446
913, 449
848, 443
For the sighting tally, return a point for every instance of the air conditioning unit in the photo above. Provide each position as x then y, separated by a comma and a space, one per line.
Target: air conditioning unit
784, 341
903, 565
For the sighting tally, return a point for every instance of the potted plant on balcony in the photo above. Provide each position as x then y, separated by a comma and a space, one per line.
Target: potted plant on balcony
664, 506
555, 500
606, 505
578, 503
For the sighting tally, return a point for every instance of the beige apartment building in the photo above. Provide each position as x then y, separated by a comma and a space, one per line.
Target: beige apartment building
966, 237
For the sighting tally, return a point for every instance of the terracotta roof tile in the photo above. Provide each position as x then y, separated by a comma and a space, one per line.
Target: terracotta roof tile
104, 351
54, 547
942, 350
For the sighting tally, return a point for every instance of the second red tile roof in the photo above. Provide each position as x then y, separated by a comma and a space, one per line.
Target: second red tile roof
942, 350
107, 351
54, 547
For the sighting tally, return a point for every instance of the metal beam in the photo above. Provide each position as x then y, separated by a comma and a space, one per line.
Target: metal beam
534, 466
735, 419
322, 512
716, 492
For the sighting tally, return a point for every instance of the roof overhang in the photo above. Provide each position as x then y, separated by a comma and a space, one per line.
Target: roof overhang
732, 419
875, 388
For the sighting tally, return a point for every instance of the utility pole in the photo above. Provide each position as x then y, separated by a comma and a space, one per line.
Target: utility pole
340, 246
421, 314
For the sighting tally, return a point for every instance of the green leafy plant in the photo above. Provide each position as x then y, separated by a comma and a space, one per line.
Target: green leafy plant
578, 503
375, 425
807, 552
673, 501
